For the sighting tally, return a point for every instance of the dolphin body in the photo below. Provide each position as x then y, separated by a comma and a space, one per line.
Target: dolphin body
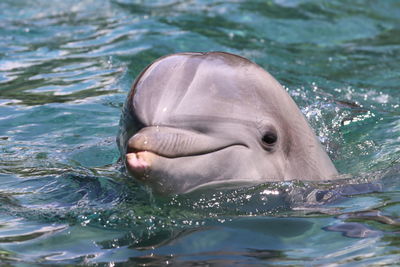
195, 119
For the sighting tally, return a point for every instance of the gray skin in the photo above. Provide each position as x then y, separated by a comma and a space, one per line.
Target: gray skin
196, 119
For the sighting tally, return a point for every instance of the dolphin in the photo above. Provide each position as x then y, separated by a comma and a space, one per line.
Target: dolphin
199, 119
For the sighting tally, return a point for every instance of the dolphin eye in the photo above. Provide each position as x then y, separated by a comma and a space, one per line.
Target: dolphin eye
269, 139
268, 135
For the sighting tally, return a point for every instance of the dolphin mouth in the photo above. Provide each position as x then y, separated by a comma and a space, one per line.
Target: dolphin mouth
141, 162
135, 151
150, 145
171, 142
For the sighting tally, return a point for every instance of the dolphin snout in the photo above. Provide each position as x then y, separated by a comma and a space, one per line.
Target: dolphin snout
151, 143
153, 148
138, 142
166, 142
174, 142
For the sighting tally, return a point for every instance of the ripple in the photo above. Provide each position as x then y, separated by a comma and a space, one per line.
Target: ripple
65, 68
19, 231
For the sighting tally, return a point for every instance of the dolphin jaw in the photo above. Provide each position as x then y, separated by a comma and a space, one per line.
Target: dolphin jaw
139, 163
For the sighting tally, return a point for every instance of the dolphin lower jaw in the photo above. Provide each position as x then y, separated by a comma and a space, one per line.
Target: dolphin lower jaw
182, 174
139, 163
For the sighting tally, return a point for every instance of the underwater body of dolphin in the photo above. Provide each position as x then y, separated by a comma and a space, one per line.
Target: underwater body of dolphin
194, 119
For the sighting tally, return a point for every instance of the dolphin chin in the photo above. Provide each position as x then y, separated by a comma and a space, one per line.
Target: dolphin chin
195, 119
139, 163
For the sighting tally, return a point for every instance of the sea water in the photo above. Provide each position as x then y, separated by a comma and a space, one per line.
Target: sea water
66, 68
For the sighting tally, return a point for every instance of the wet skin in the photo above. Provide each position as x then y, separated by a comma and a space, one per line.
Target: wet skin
195, 119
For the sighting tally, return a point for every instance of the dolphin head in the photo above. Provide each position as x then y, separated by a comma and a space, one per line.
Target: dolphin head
195, 119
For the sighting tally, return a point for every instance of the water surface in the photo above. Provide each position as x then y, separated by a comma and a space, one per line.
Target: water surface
65, 70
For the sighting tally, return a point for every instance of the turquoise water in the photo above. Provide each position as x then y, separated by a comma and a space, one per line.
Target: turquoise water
65, 69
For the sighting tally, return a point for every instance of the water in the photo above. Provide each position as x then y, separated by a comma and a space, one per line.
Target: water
65, 69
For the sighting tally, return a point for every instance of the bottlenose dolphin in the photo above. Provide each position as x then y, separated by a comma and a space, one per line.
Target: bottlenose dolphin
194, 119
